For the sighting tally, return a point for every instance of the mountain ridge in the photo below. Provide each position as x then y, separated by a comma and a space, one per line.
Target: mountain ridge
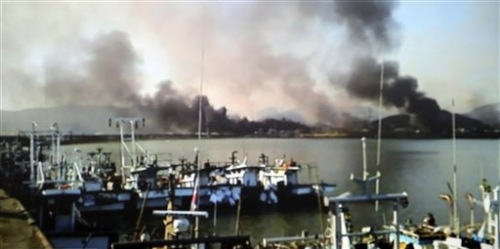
93, 119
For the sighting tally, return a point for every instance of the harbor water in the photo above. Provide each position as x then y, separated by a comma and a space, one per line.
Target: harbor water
423, 168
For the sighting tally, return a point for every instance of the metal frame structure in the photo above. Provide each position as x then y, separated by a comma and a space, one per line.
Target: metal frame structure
129, 153
339, 237
37, 167
336, 216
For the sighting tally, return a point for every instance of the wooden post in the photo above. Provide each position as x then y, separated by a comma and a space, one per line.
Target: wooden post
237, 229
137, 234
320, 197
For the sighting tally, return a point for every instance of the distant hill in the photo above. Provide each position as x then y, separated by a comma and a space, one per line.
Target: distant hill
488, 114
91, 120
77, 119
273, 113
94, 120
442, 125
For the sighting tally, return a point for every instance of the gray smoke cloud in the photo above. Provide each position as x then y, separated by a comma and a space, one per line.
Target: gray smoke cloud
243, 61
108, 76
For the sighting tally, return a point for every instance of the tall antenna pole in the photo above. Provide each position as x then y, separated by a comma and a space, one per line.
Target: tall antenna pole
456, 224
32, 153
200, 113
379, 133
122, 153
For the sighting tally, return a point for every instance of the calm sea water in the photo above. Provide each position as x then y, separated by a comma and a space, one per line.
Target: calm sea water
422, 168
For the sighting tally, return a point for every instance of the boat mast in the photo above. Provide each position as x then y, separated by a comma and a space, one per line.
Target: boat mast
365, 170
456, 224
200, 94
32, 152
200, 113
379, 132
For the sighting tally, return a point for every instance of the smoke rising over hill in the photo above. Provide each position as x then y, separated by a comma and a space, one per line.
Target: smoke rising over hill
399, 91
248, 67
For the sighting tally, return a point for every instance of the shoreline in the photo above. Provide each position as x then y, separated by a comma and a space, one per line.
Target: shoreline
108, 138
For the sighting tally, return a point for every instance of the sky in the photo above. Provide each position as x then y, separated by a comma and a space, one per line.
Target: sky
255, 58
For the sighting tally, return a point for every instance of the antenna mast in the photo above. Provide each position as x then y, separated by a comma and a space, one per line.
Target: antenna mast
379, 132
200, 113
200, 94
456, 223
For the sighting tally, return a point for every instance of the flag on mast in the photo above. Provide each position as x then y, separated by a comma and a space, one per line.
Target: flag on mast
194, 199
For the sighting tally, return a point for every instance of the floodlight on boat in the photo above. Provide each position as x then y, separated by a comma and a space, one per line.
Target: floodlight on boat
54, 126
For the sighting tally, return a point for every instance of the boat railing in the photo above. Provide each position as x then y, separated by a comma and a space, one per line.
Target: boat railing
220, 164
180, 213
233, 177
76, 175
293, 239
221, 242
188, 180
273, 178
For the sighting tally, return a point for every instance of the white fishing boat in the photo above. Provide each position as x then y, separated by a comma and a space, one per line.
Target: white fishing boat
180, 232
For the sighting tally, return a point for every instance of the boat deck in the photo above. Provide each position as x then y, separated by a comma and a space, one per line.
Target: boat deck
17, 228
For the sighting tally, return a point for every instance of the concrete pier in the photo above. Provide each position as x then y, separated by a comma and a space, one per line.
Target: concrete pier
17, 228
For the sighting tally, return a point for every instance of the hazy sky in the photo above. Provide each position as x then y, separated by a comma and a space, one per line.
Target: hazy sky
258, 57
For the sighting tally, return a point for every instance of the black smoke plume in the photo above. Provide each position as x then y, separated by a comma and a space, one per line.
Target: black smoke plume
398, 91
371, 22
104, 71
177, 112
109, 78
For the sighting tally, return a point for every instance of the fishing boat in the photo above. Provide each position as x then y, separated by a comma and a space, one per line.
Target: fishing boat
179, 231
65, 227
453, 235
487, 235
224, 185
56, 186
481, 236
341, 237
339, 234
50, 172
187, 176
147, 177
101, 188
